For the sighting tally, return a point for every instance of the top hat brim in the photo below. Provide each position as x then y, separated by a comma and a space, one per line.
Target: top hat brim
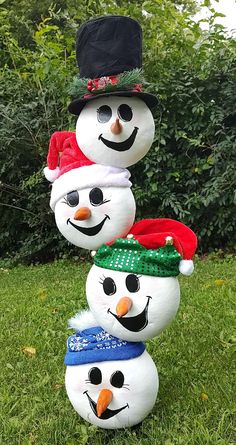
76, 106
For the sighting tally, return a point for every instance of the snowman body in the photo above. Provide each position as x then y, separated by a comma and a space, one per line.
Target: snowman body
152, 302
133, 385
115, 130
95, 215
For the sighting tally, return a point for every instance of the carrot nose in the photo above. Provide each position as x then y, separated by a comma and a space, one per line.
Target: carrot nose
82, 214
104, 399
123, 306
116, 127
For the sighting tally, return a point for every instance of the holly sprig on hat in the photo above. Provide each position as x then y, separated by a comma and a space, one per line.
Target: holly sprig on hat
106, 84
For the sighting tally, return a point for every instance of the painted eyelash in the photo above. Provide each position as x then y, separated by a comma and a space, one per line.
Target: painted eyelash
102, 279
67, 202
100, 203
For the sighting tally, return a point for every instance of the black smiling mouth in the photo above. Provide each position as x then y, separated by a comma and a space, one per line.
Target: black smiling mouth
108, 413
120, 146
136, 323
89, 231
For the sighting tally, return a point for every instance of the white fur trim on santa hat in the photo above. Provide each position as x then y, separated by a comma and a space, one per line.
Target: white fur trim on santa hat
89, 176
82, 320
51, 175
186, 267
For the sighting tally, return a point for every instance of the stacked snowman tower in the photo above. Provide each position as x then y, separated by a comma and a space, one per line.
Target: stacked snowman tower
132, 289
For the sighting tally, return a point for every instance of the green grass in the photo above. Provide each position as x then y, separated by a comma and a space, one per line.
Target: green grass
194, 356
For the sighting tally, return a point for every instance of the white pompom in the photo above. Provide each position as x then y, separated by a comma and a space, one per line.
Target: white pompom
82, 320
51, 175
186, 267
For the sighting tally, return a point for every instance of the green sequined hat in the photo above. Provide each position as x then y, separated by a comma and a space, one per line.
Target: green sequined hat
158, 247
127, 255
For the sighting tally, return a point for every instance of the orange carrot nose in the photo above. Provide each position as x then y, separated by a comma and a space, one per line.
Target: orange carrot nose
104, 399
116, 127
123, 306
82, 214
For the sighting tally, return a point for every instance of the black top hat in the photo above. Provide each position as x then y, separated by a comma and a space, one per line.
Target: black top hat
109, 56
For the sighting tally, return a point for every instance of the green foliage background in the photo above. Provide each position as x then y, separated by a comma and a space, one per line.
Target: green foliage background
189, 174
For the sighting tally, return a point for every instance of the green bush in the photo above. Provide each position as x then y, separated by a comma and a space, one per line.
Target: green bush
189, 174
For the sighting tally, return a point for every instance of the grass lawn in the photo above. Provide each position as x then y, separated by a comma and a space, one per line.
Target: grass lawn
195, 358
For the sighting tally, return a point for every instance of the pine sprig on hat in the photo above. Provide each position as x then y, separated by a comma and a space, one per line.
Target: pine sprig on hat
130, 78
78, 87
124, 81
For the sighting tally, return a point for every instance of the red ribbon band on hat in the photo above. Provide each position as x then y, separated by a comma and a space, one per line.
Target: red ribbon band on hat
101, 82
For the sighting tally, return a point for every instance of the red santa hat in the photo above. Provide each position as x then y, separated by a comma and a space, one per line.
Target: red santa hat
157, 247
155, 233
69, 169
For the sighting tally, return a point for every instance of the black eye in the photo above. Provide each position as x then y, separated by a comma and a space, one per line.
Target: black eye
95, 376
109, 286
132, 283
72, 198
125, 112
104, 114
117, 379
96, 196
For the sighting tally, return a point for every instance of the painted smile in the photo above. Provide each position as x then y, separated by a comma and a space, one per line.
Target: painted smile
136, 323
89, 231
120, 146
108, 413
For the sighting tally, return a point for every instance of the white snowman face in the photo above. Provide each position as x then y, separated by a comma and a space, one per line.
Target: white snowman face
130, 306
115, 131
126, 391
93, 216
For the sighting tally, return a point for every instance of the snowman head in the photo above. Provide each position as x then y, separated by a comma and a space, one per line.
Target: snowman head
88, 199
132, 289
115, 125
95, 215
115, 130
106, 379
132, 306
